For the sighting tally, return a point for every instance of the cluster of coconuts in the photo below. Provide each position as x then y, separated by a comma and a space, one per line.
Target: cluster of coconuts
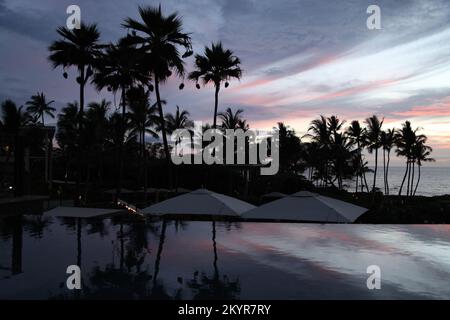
197, 85
151, 87
78, 79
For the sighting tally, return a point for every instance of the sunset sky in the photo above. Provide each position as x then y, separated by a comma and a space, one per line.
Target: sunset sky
300, 59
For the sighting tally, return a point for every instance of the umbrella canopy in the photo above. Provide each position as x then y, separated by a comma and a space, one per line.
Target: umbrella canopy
307, 206
200, 202
79, 212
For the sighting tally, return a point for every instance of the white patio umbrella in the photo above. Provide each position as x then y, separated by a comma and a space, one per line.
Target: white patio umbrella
307, 206
200, 202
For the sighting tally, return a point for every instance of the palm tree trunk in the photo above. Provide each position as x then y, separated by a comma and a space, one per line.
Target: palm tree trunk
404, 178
412, 178
375, 171
409, 178
384, 170
161, 118
363, 174
121, 146
387, 171
365, 180
418, 179
42, 116
216, 103
82, 83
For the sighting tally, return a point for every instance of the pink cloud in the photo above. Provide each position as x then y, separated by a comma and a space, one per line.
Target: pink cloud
438, 108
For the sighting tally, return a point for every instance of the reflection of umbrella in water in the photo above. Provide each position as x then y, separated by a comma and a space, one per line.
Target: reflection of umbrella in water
79, 213
200, 202
214, 287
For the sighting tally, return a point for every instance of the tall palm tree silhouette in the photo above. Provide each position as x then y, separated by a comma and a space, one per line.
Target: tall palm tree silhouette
421, 153
321, 135
120, 70
387, 143
38, 106
405, 139
215, 66
79, 48
96, 123
143, 121
160, 37
372, 141
356, 134
179, 120
66, 135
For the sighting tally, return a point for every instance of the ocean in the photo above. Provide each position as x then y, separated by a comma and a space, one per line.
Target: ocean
434, 181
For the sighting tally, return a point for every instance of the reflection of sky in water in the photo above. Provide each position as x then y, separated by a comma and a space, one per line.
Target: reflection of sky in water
265, 260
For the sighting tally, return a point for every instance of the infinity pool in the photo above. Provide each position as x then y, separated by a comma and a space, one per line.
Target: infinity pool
205, 260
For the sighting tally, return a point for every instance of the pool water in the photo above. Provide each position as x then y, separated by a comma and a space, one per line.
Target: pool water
206, 260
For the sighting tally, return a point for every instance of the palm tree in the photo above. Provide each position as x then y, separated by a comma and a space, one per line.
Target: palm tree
387, 142
66, 135
143, 119
321, 135
405, 139
38, 106
215, 66
160, 37
233, 120
79, 48
421, 153
178, 121
342, 156
120, 70
356, 134
96, 123
372, 141
13, 117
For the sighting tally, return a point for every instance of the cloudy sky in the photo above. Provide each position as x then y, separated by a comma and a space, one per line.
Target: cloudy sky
300, 58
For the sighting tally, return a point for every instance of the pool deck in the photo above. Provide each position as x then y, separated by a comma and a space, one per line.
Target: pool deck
28, 204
